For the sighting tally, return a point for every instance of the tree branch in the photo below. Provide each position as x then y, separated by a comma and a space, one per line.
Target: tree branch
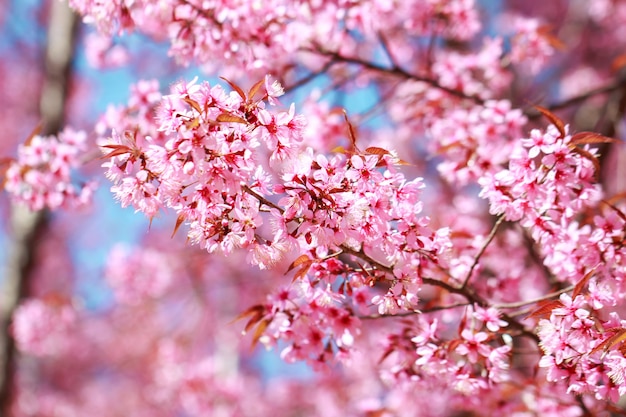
482, 250
395, 71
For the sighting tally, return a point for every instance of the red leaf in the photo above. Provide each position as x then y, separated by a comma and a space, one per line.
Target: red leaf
230, 118
117, 150
545, 308
555, 42
5, 163
618, 63
193, 104
256, 317
581, 284
558, 123
179, 221
260, 329
236, 88
588, 138
299, 261
36, 131
606, 345
373, 150
253, 90
350, 130
303, 271
252, 311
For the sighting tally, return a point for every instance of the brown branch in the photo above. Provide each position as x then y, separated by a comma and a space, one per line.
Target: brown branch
482, 250
395, 71
313, 75
411, 313
533, 114
534, 300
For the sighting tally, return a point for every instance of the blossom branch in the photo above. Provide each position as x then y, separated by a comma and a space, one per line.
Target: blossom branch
609, 88
313, 75
482, 250
411, 313
396, 71
534, 300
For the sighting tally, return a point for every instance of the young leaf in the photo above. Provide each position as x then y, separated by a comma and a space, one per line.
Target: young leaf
299, 261
618, 336
193, 104
339, 149
230, 118
36, 131
5, 163
303, 271
618, 63
236, 88
258, 332
256, 310
558, 123
546, 32
254, 89
588, 138
193, 123
179, 221
545, 308
373, 150
581, 284
117, 150
350, 130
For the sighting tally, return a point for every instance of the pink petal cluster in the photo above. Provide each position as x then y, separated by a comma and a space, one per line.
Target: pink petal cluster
42, 175
140, 274
43, 327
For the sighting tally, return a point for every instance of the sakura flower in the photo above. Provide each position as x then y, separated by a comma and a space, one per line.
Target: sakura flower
472, 345
490, 317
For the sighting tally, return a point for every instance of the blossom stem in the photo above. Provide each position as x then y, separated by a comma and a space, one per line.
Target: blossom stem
482, 250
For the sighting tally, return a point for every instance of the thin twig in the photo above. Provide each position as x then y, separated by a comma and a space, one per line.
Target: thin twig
387, 50
411, 313
534, 300
482, 250
399, 72
533, 114
313, 75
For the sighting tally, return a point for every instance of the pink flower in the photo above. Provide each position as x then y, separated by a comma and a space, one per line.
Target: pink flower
472, 345
490, 317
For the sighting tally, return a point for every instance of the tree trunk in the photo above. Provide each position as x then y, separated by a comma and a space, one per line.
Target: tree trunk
26, 226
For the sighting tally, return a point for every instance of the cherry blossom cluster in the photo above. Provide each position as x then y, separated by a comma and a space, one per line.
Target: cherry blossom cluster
480, 74
547, 180
139, 274
264, 35
582, 350
478, 358
279, 199
477, 140
207, 169
43, 327
42, 175
532, 45
102, 53
199, 386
